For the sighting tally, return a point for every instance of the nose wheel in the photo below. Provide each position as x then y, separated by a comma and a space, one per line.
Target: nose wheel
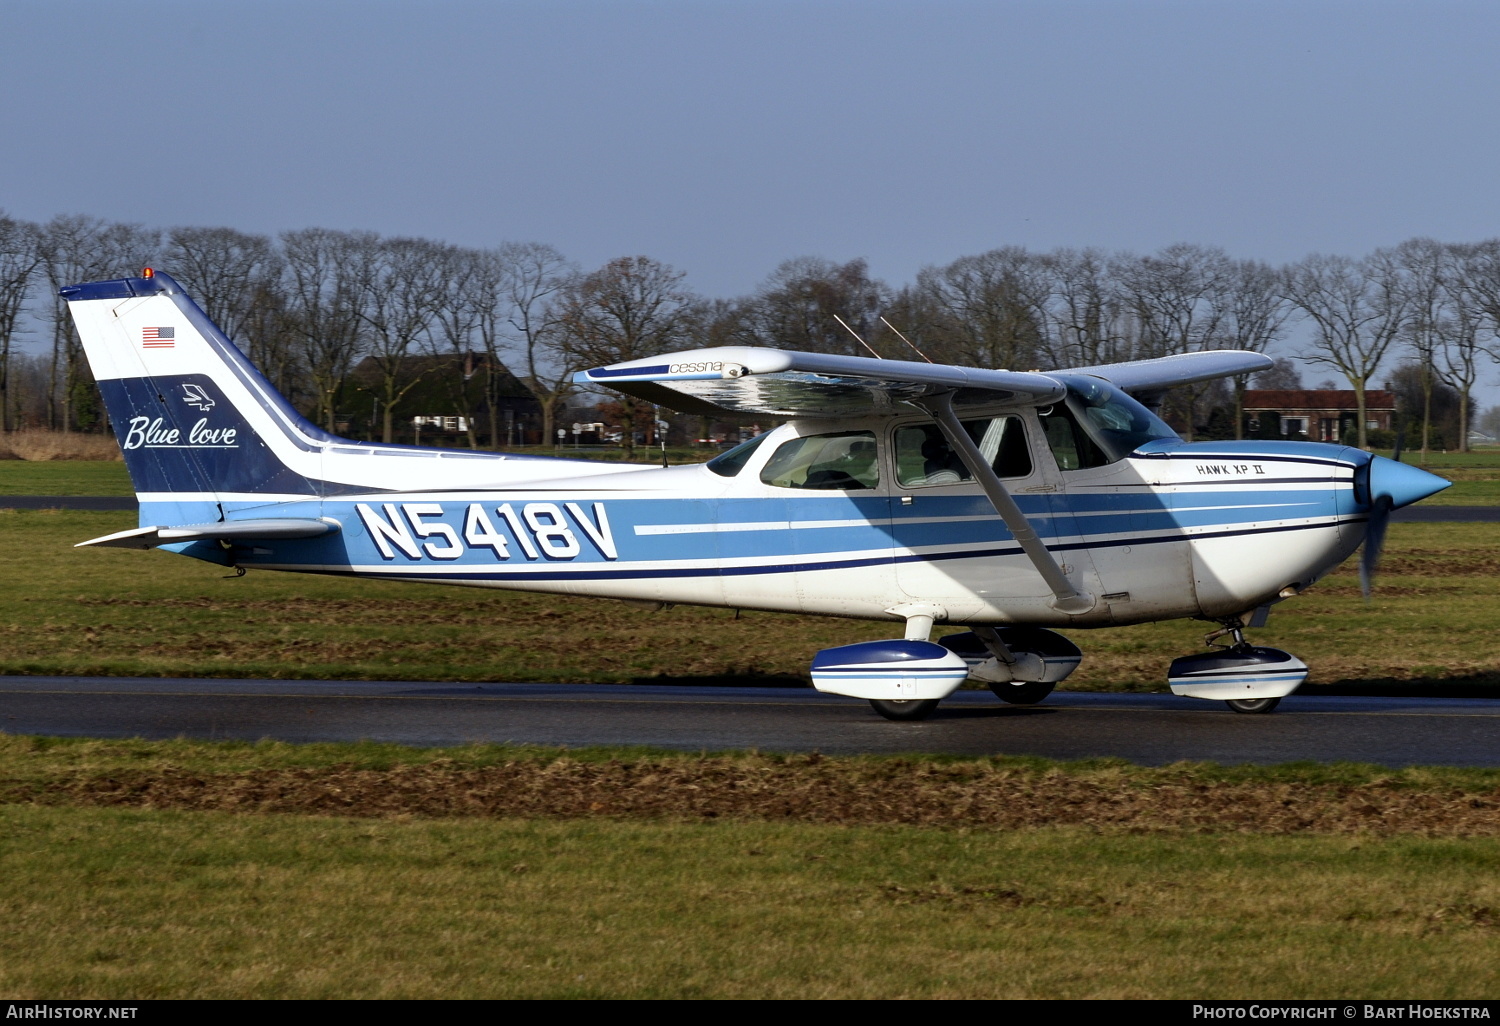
915, 709
1253, 705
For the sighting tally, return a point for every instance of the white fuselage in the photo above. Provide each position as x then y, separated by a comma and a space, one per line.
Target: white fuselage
1210, 530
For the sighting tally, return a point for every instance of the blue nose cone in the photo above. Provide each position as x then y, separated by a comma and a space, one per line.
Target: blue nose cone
1402, 485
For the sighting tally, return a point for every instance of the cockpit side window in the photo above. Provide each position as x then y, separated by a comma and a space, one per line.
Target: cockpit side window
1070, 444
845, 461
923, 456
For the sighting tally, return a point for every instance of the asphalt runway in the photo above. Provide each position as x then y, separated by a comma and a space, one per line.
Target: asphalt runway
95, 503
1147, 729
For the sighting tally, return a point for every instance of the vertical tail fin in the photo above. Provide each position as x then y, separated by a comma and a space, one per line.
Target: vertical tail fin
192, 415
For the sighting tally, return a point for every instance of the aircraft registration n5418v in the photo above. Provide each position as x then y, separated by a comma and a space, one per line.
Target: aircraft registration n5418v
1010, 503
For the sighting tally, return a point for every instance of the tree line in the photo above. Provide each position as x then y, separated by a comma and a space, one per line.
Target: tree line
308, 306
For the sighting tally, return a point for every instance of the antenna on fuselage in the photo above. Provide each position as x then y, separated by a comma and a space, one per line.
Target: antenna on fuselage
857, 338
903, 338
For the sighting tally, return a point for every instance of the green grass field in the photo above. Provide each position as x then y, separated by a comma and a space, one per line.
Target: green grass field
140, 904
119, 880
64, 477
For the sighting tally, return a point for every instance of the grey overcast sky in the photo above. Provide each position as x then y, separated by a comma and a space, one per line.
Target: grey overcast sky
724, 136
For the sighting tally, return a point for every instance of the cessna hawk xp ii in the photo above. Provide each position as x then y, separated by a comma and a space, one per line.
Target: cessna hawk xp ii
1010, 503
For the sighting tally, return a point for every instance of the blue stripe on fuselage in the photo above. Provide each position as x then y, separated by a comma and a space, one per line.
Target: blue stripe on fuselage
708, 537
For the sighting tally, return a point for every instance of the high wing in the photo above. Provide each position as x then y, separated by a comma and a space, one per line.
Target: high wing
783, 383
1148, 376
778, 382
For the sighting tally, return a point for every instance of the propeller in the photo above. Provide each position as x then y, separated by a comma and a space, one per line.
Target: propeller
1369, 558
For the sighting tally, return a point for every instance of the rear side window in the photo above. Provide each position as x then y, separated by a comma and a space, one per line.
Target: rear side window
923, 456
846, 461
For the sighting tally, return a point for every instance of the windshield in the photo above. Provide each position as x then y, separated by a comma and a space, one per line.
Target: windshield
1113, 420
732, 462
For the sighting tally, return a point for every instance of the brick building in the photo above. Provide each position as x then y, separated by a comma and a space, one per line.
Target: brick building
1317, 414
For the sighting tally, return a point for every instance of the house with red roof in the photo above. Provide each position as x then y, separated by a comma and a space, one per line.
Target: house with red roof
1316, 414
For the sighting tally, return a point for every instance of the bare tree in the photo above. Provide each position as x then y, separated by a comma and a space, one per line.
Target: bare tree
533, 279
1422, 266
796, 306
995, 307
1254, 312
399, 286
723, 322
629, 308
323, 308
450, 342
926, 329
1176, 303
1175, 298
239, 281
1356, 307
227, 272
1282, 375
76, 248
1472, 285
1084, 310
19, 260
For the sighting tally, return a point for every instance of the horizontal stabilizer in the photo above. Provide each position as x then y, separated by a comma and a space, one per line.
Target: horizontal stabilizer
230, 530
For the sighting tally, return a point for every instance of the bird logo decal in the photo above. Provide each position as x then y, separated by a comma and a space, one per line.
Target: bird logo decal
197, 397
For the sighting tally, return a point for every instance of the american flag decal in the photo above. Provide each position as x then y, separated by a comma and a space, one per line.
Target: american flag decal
158, 338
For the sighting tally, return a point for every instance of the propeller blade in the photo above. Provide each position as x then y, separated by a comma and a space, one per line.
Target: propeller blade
1380, 517
1400, 438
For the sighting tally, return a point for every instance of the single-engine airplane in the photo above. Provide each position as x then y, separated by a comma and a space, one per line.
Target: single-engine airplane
1007, 502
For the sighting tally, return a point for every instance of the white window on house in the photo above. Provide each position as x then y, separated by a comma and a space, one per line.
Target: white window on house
1372, 425
1293, 425
442, 423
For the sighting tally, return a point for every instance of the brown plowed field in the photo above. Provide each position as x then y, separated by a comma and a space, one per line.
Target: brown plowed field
807, 789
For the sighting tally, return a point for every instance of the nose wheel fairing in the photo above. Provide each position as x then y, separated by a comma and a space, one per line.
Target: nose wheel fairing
1243, 673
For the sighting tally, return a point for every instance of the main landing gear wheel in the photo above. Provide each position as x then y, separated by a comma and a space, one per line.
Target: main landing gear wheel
1025, 693
913, 709
1253, 705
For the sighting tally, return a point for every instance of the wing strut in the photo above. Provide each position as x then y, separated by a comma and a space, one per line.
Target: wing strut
1068, 598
